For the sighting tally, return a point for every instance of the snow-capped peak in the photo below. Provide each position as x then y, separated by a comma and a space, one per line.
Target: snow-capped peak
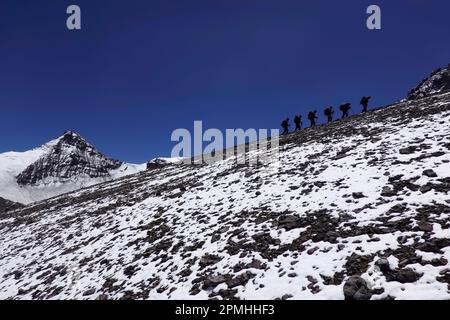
59, 166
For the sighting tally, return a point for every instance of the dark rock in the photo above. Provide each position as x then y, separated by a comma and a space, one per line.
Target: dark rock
434, 245
357, 264
289, 222
130, 271
17, 274
383, 265
408, 150
355, 288
256, 264
208, 259
407, 276
425, 226
358, 195
102, 297
430, 173
240, 280
426, 188
213, 281
388, 192
89, 292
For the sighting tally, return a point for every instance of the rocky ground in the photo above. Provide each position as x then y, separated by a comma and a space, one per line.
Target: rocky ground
6, 205
358, 209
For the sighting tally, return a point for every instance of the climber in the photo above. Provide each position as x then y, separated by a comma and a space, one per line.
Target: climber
345, 108
365, 102
285, 126
328, 112
298, 123
312, 117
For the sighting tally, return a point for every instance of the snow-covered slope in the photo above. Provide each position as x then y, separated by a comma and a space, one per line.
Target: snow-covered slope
359, 206
59, 166
437, 82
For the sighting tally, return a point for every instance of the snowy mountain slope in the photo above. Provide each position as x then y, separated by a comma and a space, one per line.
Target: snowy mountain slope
437, 82
367, 196
59, 166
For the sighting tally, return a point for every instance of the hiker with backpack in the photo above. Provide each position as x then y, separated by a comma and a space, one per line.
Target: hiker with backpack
312, 118
285, 126
328, 112
365, 103
298, 123
345, 108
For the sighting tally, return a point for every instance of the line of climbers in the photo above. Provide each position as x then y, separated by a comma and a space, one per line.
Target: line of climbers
328, 112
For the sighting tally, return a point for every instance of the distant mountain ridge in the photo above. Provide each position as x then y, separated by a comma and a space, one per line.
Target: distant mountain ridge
62, 165
72, 156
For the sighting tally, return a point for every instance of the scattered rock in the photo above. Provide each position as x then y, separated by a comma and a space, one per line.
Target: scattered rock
89, 292
240, 280
387, 192
213, 281
355, 288
426, 188
357, 265
407, 276
383, 265
408, 150
425, 226
208, 259
430, 173
289, 222
358, 195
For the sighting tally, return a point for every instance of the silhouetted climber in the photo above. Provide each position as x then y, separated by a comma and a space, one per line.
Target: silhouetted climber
298, 123
328, 112
312, 117
365, 103
285, 126
345, 108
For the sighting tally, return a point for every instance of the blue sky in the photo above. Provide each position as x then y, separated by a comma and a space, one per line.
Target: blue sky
139, 69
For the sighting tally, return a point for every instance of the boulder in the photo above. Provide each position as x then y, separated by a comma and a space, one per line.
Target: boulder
407, 276
429, 173
355, 288
383, 265
213, 281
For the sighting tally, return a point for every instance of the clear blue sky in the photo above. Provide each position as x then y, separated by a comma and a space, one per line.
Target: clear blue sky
141, 68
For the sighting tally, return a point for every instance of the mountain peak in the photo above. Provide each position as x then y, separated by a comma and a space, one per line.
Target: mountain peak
72, 156
71, 134
437, 82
